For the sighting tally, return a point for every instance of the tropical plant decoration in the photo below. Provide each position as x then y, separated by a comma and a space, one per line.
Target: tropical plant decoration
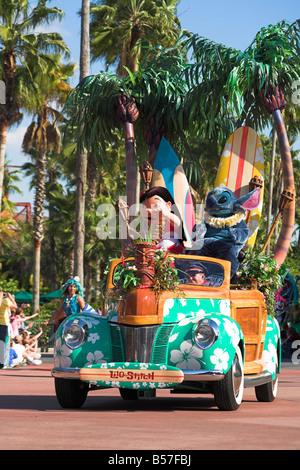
265, 273
166, 275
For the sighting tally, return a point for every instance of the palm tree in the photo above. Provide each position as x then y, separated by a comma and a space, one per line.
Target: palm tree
102, 102
19, 44
81, 163
44, 137
120, 29
251, 84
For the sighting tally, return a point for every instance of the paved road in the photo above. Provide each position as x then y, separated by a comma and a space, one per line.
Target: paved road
31, 419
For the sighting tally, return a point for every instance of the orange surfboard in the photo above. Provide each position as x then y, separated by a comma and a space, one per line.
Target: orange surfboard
241, 160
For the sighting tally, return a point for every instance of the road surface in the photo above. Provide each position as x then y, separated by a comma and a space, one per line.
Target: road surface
31, 418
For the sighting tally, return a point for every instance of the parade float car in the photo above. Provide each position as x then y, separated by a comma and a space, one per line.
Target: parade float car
210, 338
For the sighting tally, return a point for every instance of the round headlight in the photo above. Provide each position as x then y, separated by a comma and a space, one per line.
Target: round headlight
75, 334
206, 333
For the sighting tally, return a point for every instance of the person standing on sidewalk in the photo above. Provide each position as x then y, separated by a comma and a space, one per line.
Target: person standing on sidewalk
6, 303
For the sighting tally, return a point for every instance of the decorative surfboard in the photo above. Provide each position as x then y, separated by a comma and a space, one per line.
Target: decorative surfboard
168, 172
241, 160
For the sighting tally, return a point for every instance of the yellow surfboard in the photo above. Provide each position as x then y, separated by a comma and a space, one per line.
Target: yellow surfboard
241, 160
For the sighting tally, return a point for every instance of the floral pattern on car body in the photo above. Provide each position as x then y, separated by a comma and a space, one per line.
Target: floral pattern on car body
94, 350
183, 309
185, 354
271, 346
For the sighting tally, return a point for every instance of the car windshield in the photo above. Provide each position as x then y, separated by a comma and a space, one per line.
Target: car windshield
190, 271
203, 273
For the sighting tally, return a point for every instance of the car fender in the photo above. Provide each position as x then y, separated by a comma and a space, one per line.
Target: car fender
185, 354
271, 355
96, 349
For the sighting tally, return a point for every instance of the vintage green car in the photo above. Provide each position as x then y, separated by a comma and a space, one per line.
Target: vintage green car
206, 336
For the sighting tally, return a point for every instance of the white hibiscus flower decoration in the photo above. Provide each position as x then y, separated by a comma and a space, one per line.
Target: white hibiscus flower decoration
233, 332
144, 365
95, 357
187, 320
187, 357
269, 356
93, 337
115, 384
225, 307
91, 321
220, 359
168, 305
173, 337
62, 353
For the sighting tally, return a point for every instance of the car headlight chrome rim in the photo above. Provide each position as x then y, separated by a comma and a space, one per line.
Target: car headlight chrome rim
206, 333
75, 333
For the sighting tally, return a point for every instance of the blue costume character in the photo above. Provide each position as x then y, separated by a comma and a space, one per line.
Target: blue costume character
72, 301
224, 231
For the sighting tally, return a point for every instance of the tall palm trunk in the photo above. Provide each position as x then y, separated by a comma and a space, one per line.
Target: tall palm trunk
288, 217
271, 184
38, 220
51, 177
3, 137
9, 113
274, 101
81, 164
128, 113
92, 176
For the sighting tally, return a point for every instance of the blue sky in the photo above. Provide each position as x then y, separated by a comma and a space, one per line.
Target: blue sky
232, 22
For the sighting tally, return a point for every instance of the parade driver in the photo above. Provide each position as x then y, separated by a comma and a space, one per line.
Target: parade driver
197, 273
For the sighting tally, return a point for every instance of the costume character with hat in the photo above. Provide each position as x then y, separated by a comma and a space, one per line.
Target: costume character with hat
161, 211
197, 273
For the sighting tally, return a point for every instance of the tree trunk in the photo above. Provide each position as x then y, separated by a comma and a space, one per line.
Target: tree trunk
288, 217
38, 224
81, 164
127, 114
92, 176
51, 178
271, 184
37, 244
3, 137
131, 171
274, 102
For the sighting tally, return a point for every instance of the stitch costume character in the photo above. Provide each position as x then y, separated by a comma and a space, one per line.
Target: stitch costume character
224, 231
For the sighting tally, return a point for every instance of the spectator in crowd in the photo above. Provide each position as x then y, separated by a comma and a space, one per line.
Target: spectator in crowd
6, 303
12, 353
22, 319
24, 355
31, 344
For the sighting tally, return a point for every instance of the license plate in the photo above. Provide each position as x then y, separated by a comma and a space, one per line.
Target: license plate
132, 375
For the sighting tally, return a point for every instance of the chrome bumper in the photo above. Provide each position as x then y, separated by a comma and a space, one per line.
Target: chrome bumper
203, 375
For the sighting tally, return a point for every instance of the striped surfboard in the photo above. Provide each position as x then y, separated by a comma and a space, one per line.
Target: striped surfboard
241, 160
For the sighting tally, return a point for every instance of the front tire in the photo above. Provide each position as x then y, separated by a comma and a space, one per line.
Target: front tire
70, 393
229, 391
